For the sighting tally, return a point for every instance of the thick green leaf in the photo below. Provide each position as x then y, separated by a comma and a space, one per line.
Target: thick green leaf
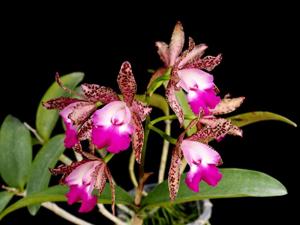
46, 158
5, 197
253, 117
46, 119
15, 152
235, 183
57, 194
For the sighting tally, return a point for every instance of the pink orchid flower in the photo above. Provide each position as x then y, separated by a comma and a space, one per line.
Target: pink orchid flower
203, 162
76, 112
119, 122
187, 73
82, 178
81, 182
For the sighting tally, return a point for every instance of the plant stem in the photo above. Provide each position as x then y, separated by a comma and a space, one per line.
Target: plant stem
164, 154
108, 157
170, 117
146, 135
35, 133
163, 134
131, 169
64, 214
65, 159
110, 216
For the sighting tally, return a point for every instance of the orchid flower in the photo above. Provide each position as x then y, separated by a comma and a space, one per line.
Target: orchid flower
202, 160
76, 112
82, 178
119, 121
187, 73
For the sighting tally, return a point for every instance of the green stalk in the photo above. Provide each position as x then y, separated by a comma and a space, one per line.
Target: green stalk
108, 157
163, 134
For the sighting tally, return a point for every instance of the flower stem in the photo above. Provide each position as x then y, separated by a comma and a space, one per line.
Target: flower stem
164, 154
110, 216
64, 214
65, 159
163, 134
146, 135
108, 157
131, 170
170, 117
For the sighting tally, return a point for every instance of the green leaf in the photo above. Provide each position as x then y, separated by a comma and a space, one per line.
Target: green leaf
15, 152
157, 101
235, 183
187, 111
57, 194
46, 119
5, 197
46, 158
253, 117
158, 82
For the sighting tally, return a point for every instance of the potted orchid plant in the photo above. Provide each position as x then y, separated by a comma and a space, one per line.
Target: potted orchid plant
100, 124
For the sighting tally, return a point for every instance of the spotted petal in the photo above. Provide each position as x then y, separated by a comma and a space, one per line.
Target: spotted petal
173, 102
228, 105
95, 93
163, 52
141, 109
59, 103
127, 83
176, 43
137, 137
196, 52
174, 171
215, 129
208, 63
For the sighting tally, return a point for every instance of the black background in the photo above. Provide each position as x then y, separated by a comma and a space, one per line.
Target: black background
260, 47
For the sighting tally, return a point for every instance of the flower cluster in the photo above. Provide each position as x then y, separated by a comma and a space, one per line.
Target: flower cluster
107, 120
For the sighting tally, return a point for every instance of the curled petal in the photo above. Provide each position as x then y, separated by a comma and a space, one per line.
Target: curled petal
228, 105
95, 93
127, 83
59, 103
173, 102
196, 53
176, 43
141, 109
137, 137
163, 52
